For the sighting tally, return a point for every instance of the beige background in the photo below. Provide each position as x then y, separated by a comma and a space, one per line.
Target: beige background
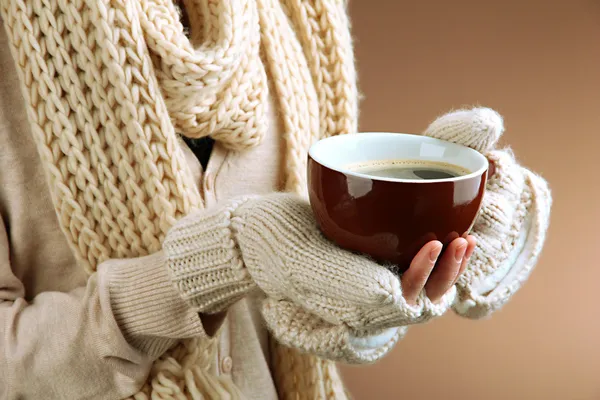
538, 64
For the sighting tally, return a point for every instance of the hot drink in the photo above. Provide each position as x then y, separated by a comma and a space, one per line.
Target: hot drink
388, 194
409, 169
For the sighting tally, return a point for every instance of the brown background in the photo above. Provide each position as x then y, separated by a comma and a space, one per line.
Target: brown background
538, 64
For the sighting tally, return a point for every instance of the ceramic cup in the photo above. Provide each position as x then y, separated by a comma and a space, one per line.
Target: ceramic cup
390, 219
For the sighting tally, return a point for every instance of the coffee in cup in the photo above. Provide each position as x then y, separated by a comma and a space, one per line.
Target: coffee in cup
409, 169
388, 194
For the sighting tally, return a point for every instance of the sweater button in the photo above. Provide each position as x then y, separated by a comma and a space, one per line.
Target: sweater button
226, 365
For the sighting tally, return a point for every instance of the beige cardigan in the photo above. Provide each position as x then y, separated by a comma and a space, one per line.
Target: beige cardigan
53, 314
100, 90
86, 308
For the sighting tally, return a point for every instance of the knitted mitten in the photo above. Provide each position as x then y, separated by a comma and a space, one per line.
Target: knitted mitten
319, 298
511, 226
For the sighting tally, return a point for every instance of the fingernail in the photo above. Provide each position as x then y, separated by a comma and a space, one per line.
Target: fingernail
469, 253
460, 252
435, 253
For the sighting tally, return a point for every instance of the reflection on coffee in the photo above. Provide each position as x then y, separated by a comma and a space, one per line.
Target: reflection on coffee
409, 169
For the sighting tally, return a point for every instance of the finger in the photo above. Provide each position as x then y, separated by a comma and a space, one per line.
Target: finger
471, 243
414, 279
491, 168
443, 275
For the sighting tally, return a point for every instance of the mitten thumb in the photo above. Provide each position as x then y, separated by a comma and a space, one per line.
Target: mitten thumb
479, 128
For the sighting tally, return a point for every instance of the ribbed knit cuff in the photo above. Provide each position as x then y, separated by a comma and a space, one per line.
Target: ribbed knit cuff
204, 260
146, 306
498, 271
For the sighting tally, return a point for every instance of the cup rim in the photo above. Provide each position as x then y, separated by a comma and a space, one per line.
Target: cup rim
346, 171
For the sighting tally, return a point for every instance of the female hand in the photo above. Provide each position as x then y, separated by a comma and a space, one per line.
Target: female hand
513, 221
437, 275
435, 272
315, 296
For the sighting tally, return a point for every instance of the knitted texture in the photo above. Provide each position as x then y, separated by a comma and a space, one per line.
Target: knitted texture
479, 128
294, 327
511, 226
219, 89
323, 25
204, 260
320, 298
320, 375
107, 84
146, 306
510, 230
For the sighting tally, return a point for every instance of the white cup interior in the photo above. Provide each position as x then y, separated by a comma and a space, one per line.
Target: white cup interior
340, 152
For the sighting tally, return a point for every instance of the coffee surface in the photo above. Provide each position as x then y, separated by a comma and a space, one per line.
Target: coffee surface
409, 169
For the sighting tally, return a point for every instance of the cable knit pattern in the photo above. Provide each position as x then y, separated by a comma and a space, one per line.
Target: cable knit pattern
320, 298
323, 25
108, 84
103, 134
288, 257
295, 93
320, 375
219, 89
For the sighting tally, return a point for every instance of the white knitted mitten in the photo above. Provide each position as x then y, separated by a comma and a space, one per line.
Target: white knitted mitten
511, 226
319, 298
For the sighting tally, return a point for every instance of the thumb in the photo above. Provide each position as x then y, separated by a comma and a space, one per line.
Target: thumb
479, 128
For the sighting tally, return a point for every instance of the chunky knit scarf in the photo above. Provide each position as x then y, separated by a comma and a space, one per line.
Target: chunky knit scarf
109, 84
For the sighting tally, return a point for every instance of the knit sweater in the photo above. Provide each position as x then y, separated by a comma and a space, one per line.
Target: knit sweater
108, 87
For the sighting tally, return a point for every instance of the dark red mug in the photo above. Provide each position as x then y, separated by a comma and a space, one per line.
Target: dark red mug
390, 219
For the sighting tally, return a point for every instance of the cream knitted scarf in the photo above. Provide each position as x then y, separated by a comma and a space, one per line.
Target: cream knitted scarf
109, 84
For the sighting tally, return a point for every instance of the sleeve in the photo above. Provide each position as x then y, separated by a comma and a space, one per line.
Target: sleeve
513, 221
510, 231
97, 341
